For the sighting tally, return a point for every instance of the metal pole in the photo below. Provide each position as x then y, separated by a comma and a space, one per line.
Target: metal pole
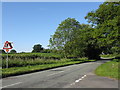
7, 61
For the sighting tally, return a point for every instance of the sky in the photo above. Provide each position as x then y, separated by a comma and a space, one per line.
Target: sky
29, 23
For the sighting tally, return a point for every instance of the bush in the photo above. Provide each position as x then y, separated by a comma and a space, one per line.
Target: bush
2, 51
116, 60
13, 51
117, 57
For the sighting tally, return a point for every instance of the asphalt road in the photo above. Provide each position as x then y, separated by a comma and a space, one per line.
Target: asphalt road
73, 76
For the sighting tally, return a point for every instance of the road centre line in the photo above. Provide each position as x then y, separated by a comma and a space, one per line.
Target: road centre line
76, 81
55, 73
80, 78
73, 83
11, 85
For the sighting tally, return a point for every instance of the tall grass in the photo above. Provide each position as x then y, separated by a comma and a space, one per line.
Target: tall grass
31, 62
32, 56
27, 59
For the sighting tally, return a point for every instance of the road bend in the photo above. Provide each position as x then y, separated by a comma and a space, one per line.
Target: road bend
73, 76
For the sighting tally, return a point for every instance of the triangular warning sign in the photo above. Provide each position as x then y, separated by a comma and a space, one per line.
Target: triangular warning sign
7, 45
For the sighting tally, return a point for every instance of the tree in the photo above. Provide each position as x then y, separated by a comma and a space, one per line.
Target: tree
13, 51
81, 40
86, 43
37, 48
2, 51
106, 22
74, 39
64, 34
46, 51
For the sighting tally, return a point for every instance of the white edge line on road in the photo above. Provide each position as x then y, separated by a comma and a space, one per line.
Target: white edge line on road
55, 73
11, 85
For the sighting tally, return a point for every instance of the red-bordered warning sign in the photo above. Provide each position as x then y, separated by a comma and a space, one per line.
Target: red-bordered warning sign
7, 46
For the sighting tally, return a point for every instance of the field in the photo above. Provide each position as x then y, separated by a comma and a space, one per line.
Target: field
20, 60
32, 56
31, 62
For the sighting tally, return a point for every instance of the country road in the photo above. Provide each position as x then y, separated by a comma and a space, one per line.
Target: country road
73, 76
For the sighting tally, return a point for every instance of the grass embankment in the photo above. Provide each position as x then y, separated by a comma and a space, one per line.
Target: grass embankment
109, 69
25, 63
27, 69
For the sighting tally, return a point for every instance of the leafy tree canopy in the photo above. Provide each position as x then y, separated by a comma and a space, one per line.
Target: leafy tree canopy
106, 21
37, 48
64, 34
72, 38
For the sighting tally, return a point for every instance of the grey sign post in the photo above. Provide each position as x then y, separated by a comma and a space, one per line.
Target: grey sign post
7, 46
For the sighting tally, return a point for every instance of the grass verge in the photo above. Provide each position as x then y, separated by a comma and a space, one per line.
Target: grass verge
28, 69
109, 69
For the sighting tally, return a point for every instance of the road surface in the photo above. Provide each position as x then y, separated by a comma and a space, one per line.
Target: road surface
73, 76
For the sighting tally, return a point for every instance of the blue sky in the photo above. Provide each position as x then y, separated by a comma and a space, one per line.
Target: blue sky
30, 23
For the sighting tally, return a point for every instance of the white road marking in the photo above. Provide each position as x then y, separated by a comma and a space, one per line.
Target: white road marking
80, 78
72, 84
55, 73
76, 81
11, 85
